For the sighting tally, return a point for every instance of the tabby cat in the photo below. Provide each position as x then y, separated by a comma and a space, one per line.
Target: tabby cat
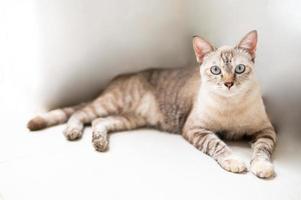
219, 98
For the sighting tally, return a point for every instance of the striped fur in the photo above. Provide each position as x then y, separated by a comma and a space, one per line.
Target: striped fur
190, 101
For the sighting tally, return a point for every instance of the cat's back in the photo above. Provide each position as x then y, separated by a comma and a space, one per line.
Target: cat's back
162, 77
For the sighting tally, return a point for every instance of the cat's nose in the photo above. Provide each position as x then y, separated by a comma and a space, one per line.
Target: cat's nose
228, 84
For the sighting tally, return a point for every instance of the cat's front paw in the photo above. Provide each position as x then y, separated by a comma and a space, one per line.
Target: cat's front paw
100, 143
72, 133
262, 168
232, 164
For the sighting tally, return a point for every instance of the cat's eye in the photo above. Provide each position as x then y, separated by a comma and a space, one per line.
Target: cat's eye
215, 70
239, 69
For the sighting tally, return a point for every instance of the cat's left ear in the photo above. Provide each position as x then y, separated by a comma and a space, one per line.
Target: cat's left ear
201, 47
249, 43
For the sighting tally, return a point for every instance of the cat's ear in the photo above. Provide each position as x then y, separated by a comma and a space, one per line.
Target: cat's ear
201, 47
249, 43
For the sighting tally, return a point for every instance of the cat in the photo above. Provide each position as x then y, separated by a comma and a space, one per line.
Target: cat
218, 98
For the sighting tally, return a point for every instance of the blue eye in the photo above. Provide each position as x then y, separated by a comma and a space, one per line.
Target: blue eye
239, 69
215, 70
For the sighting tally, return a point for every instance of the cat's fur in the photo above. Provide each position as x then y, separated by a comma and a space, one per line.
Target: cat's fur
190, 101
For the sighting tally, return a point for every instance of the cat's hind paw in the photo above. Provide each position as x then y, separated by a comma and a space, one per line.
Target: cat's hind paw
262, 168
100, 143
232, 164
72, 133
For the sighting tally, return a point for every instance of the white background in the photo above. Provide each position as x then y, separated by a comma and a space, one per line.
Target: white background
60, 52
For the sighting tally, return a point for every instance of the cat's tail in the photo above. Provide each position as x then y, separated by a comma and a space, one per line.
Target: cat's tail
53, 117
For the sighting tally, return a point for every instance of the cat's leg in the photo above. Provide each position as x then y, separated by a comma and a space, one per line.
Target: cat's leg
209, 143
75, 124
102, 106
263, 146
102, 126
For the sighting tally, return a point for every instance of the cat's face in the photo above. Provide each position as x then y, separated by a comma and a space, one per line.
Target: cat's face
227, 70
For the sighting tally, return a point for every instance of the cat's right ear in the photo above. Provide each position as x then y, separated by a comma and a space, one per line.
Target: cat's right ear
201, 47
249, 43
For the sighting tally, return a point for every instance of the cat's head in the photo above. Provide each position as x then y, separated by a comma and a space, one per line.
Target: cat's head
227, 70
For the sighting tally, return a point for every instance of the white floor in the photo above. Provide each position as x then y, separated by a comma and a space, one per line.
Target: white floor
142, 164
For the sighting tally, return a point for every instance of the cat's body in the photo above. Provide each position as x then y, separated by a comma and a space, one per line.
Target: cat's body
173, 91
199, 104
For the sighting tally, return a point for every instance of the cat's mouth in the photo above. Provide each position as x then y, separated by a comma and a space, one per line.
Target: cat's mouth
227, 91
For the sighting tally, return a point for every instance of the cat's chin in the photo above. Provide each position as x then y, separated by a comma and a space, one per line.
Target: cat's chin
229, 94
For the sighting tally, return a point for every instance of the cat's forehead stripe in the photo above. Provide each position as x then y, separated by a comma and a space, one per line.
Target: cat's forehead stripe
226, 56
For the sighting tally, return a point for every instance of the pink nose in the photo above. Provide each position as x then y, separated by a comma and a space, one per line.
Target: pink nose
228, 84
